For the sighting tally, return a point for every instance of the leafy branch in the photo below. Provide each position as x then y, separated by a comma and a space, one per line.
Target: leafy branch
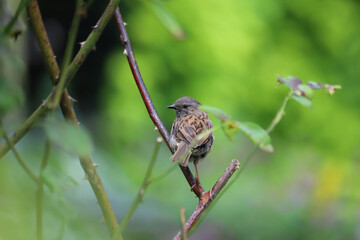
256, 134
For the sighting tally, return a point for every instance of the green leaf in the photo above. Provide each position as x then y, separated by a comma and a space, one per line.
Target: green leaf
230, 128
257, 135
68, 137
218, 113
168, 20
57, 180
302, 100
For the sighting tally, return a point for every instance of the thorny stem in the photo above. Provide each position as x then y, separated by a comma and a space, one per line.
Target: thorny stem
66, 102
40, 192
141, 192
17, 156
86, 48
128, 51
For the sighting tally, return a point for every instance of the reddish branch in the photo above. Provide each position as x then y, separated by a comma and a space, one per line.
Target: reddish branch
209, 197
128, 51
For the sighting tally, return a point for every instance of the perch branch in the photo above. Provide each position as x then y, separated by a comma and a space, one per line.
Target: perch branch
209, 197
128, 51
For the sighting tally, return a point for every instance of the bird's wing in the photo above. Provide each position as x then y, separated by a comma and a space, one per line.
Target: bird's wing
181, 151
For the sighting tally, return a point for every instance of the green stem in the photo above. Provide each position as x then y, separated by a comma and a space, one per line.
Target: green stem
163, 174
141, 192
279, 115
35, 16
40, 193
84, 51
72, 36
68, 110
17, 156
276, 120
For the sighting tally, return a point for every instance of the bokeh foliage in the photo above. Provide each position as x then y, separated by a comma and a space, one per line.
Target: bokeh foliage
230, 57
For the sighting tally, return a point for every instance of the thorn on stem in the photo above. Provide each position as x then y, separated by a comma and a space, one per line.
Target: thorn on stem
72, 99
159, 139
125, 24
82, 43
95, 26
95, 165
125, 52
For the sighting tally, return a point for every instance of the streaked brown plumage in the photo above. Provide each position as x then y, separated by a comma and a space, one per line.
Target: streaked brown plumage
189, 123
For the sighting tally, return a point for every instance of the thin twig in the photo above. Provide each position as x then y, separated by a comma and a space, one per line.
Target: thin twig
69, 49
209, 197
128, 51
183, 224
141, 192
17, 156
40, 192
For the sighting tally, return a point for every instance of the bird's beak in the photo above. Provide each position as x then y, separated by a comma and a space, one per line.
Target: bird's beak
172, 106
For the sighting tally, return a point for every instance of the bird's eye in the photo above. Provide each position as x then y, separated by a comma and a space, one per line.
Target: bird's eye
186, 106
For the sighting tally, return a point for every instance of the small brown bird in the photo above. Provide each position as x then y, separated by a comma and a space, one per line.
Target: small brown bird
188, 124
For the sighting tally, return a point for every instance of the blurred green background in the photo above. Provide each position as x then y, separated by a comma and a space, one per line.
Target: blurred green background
225, 54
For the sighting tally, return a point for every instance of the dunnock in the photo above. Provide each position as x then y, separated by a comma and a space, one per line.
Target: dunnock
188, 124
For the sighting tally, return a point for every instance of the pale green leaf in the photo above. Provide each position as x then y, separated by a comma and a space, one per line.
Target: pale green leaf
216, 112
302, 100
168, 20
257, 135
